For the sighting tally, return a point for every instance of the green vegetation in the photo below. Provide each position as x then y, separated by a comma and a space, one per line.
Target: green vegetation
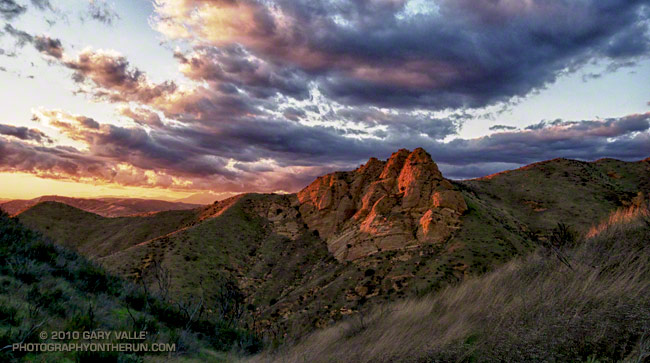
96, 236
45, 287
576, 192
278, 279
530, 309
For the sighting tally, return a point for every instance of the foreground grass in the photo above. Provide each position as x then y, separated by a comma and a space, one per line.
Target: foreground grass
595, 308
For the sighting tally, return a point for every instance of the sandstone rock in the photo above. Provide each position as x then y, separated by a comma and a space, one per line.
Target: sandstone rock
449, 199
402, 202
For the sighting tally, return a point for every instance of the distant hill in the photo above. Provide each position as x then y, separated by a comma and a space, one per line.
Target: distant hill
107, 207
351, 240
204, 198
97, 236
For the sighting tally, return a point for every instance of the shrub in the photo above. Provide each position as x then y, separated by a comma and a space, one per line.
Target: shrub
8, 315
91, 278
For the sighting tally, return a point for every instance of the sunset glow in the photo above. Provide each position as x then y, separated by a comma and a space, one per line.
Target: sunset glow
169, 98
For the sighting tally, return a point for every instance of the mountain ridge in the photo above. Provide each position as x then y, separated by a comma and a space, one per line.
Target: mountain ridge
284, 251
106, 207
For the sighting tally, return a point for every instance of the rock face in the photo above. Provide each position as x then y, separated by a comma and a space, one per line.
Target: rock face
399, 203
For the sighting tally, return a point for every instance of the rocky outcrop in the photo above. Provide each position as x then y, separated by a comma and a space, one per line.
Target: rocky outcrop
400, 203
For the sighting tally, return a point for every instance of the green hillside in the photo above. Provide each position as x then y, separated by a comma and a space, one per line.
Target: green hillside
288, 280
47, 288
96, 236
575, 192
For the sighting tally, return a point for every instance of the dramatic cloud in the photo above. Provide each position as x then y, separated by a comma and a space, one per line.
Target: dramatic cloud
273, 93
235, 68
114, 79
447, 54
272, 155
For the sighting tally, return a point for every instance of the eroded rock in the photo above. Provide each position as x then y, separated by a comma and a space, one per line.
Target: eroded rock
402, 202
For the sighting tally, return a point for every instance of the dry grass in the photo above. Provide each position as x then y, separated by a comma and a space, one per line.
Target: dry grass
621, 217
531, 309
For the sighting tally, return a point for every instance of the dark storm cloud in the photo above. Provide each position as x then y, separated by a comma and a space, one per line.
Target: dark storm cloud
285, 91
136, 146
295, 144
464, 54
24, 133
21, 157
401, 123
233, 66
9, 9
216, 126
293, 114
201, 153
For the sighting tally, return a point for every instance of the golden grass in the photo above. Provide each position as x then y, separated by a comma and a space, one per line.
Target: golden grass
620, 218
530, 309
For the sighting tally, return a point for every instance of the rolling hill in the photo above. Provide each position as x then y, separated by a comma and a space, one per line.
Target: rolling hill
107, 207
351, 240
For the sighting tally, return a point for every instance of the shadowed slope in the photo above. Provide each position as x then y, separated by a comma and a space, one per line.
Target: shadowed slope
96, 236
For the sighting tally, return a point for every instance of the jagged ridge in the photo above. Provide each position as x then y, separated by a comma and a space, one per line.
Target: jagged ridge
381, 206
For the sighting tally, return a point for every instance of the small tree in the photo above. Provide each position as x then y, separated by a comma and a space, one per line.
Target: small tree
162, 277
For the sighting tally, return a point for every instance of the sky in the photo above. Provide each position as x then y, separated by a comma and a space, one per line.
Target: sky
171, 98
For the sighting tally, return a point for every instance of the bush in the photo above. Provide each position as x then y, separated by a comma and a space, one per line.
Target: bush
8, 315
82, 320
91, 278
563, 236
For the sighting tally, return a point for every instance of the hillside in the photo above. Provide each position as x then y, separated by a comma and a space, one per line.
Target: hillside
593, 308
47, 288
351, 240
97, 236
576, 192
106, 207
